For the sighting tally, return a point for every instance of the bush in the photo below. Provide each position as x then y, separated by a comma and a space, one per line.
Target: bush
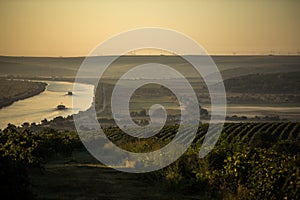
23, 149
14, 178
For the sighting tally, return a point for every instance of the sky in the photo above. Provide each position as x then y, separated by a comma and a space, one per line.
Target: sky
76, 27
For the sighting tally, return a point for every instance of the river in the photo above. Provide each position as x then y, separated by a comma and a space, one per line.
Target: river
43, 106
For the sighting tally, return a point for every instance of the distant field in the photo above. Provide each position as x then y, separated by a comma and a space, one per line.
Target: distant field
251, 80
13, 90
230, 66
79, 174
277, 83
275, 88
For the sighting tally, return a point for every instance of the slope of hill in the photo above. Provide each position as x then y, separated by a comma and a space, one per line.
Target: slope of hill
13, 90
287, 83
229, 66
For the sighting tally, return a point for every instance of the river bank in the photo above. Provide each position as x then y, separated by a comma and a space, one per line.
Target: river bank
15, 90
44, 105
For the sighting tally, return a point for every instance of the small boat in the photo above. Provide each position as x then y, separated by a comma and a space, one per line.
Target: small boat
70, 93
61, 107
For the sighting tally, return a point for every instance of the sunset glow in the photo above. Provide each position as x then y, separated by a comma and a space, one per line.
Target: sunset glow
74, 28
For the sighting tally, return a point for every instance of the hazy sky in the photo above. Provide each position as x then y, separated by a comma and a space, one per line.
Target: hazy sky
74, 28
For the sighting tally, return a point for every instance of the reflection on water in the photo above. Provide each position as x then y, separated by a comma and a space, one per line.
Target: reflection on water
43, 106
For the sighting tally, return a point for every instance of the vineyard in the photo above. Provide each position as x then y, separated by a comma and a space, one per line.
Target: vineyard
247, 133
249, 161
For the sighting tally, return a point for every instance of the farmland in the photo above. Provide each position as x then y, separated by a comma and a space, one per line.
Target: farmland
238, 167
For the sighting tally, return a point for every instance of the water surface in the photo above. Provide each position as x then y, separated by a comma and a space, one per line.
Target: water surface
43, 106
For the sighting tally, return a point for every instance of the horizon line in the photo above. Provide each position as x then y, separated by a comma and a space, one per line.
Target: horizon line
156, 55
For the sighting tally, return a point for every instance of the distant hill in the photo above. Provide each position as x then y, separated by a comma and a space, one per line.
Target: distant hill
14, 90
229, 66
281, 83
235, 66
36, 66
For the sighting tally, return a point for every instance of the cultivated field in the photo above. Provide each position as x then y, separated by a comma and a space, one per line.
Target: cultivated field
14, 90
